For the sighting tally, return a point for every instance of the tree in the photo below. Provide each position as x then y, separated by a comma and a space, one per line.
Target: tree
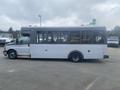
10, 30
115, 31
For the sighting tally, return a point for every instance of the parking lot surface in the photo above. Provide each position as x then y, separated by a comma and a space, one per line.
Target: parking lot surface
26, 74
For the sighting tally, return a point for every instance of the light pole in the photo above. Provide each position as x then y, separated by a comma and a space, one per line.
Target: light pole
40, 19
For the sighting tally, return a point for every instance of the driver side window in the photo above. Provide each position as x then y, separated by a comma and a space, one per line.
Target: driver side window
24, 40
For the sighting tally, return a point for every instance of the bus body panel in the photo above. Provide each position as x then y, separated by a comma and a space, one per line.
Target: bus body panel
22, 50
62, 51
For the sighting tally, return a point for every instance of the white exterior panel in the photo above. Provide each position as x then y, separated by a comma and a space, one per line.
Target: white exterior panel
20, 49
63, 50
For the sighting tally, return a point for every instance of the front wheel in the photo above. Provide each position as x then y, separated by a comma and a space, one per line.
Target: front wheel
12, 54
75, 57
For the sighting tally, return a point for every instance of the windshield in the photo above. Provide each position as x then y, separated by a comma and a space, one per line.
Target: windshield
23, 40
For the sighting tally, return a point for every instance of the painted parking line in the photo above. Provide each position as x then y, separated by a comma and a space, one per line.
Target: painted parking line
11, 70
89, 86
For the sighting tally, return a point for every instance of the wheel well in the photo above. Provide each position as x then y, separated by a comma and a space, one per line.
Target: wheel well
76, 52
11, 50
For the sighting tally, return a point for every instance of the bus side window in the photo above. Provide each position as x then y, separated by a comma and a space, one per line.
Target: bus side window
44, 37
60, 37
56, 37
86, 37
99, 38
75, 37
40, 37
49, 38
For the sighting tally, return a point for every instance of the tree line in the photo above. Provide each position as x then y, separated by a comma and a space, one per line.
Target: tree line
114, 32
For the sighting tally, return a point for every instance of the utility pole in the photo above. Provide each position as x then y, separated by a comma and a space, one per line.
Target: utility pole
40, 19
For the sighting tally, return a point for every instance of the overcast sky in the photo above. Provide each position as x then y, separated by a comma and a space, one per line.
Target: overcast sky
18, 13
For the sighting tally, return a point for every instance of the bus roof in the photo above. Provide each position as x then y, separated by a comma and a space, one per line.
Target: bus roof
62, 28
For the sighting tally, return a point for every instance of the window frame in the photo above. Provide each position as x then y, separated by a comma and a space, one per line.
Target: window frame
90, 33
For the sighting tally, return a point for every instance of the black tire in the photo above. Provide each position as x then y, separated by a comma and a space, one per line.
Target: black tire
76, 57
12, 54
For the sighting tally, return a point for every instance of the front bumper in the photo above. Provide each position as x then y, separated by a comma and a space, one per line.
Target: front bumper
5, 53
106, 56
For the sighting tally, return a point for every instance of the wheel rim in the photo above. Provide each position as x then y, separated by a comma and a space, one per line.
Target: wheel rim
76, 58
12, 55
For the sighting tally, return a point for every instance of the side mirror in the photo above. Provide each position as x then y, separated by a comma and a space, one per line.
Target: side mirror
28, 45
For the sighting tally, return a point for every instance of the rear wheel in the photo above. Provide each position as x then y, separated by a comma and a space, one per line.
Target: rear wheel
75, 57
12, 54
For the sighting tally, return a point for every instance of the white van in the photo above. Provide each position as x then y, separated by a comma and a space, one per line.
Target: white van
113, 41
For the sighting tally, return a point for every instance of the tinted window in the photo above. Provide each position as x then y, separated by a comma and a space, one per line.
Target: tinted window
44, 37
60, 37
71, 37
99, 38
86, 37
75, 37
24, 40
52, 37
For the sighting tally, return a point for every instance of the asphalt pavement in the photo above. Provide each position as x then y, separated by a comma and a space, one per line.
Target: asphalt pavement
27, 74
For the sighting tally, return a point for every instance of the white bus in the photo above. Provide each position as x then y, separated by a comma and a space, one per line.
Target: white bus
113, 41
73, 43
